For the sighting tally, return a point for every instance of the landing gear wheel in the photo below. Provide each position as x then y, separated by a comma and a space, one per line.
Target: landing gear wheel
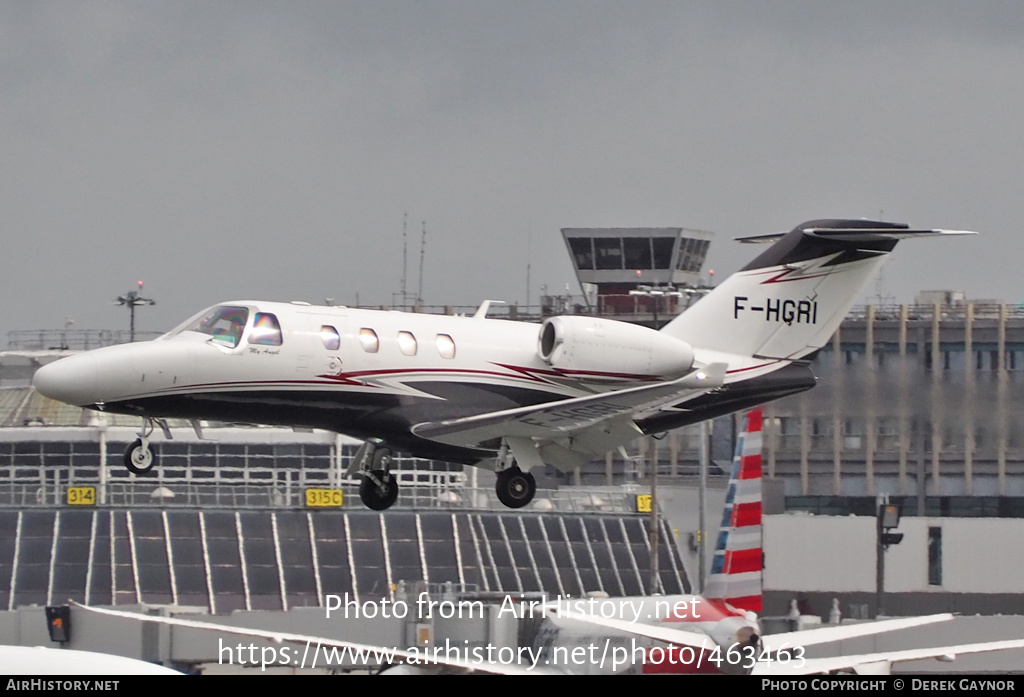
139, 458
515, 488
378, 497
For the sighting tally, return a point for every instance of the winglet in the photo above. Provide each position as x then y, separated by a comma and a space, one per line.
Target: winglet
481, 312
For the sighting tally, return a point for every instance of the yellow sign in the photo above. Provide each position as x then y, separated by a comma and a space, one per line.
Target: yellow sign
81, 496
643, 503
323, 498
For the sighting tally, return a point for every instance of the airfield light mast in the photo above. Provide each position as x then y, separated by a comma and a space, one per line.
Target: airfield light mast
133, 299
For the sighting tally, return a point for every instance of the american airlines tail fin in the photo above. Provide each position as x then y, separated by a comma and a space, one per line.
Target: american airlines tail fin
789, 301
736, 566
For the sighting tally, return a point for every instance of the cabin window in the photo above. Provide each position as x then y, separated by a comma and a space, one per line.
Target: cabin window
223, 323
368, 339
407, 343
266, 331
329, 335
445, 346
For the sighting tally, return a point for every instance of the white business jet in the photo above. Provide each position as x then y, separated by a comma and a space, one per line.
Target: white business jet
504, 395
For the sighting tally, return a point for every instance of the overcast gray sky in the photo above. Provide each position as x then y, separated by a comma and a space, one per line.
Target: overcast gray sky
226, 150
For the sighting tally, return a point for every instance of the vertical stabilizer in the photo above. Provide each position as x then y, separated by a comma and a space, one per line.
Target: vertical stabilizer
736, 566
788, 302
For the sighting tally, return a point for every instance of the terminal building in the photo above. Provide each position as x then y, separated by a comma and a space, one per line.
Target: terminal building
919, 401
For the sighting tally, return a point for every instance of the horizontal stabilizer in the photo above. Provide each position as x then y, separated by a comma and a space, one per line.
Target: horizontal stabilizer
855, 231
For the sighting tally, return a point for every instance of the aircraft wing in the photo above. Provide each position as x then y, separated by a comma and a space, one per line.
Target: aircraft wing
880, 663
565, 417
659, 632
822, 635
423, 659
774, 643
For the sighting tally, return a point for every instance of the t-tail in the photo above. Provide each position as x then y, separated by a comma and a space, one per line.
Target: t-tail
737, 563
787, 303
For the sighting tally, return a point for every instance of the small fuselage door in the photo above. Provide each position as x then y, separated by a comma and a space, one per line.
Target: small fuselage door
321, 347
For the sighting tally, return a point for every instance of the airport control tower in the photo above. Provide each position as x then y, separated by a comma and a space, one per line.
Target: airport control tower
637, 271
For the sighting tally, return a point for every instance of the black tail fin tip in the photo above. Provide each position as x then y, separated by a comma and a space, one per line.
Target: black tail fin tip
818, 238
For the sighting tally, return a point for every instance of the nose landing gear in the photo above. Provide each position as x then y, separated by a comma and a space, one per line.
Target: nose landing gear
139, 456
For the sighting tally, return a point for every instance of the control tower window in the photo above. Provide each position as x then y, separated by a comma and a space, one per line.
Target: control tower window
608, 253
266, 331
662, 252
637, 252
582, 252
691, 254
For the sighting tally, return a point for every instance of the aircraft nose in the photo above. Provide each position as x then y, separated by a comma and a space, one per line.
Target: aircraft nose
71, 380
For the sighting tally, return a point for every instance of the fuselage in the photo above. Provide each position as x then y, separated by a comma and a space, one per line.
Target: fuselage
365, 373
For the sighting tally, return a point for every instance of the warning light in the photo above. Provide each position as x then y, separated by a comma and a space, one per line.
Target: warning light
58, 622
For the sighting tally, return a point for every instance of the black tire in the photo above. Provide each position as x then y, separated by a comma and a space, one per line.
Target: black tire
372, 496
515, 488
139, 460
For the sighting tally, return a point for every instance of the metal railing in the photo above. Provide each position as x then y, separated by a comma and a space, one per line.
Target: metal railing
71, 339
412, 495
615, 306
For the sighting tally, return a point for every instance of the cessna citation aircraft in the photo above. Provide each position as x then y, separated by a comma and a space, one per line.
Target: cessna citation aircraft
503, 395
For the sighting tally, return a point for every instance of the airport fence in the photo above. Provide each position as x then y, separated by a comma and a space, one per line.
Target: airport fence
413, 495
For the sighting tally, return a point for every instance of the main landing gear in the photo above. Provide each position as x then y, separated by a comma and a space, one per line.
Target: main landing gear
515, 488
378, 489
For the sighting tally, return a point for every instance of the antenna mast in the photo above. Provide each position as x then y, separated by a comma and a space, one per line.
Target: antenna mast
405, 254
423, 249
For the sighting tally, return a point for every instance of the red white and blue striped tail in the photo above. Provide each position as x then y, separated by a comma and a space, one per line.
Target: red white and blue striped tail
736, 566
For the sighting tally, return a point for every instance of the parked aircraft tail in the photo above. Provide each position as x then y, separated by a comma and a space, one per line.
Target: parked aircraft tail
738, 560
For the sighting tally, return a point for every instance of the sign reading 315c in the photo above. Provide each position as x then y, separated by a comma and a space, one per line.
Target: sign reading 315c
323, 498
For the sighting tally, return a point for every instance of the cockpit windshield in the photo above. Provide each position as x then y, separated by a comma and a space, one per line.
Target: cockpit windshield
224, 323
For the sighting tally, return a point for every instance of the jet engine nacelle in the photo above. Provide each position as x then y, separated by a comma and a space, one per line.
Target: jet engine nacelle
606, 346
